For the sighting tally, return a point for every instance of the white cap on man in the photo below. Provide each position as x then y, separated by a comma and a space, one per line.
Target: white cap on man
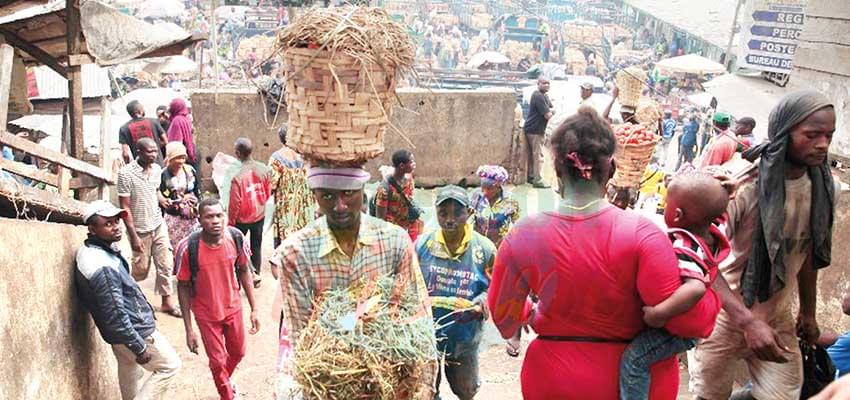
102, 208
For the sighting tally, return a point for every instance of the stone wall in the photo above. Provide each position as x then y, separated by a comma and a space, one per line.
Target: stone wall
236, 113
51, 348
453, 131
822, 61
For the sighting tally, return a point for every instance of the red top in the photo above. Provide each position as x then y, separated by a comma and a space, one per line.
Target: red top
592, 274
216, 286
249, 191
721, 151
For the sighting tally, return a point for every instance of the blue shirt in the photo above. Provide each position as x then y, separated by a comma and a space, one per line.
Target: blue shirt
840, 354
669, 126
689, 133
459, 279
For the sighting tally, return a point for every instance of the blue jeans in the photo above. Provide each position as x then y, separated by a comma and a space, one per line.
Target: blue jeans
648, 348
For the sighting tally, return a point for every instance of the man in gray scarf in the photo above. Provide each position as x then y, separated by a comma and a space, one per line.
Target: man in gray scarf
780, 227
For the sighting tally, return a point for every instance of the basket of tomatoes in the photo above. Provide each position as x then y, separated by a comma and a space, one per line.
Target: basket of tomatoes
634, 151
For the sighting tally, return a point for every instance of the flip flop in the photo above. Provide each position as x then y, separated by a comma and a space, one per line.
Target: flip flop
257, 283
174, 312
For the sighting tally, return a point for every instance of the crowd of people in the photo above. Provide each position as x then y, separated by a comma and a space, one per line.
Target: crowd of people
611, 296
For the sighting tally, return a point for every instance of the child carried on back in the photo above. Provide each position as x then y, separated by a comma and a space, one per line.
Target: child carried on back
696, 202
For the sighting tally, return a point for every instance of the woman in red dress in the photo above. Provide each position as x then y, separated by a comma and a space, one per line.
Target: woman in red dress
592, 266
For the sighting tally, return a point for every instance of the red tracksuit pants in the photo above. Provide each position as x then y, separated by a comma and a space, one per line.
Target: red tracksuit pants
224, 342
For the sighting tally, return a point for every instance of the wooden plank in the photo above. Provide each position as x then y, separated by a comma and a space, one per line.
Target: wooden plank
84, 182
55, 157
105, 162
34, 51
80, 59
64, 173
41, 203
174, 49
27, 171
75, 76
7, 54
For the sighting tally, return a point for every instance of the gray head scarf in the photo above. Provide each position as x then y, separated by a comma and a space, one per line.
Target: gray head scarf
765, 272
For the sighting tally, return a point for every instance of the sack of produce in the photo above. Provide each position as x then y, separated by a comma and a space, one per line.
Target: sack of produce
342, 66
634, 151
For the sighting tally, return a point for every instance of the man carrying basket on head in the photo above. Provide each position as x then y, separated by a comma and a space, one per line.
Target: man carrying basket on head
342, 248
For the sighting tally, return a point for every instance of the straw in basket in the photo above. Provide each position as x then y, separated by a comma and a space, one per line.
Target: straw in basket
632, 160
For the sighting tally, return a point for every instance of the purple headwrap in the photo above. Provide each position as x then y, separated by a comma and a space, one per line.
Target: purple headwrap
492, 175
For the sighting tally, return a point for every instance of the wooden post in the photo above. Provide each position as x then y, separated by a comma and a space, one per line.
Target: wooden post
64, 173
105, 150
7, 54
75, 82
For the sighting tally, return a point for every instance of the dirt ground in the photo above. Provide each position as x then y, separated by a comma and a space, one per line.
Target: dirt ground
256, 376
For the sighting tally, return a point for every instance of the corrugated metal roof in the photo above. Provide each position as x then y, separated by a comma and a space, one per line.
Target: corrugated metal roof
709, 20
53, 86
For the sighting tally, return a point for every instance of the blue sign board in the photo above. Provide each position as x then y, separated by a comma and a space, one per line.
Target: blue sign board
776, 32
780, 17
772, 47
769, 62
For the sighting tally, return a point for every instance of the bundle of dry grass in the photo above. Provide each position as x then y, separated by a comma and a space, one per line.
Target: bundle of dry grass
364, 33
364, 343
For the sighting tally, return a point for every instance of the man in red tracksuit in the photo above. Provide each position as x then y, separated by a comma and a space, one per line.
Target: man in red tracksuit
212, 265
250, 188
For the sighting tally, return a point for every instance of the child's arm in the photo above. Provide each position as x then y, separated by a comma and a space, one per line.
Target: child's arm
682, 300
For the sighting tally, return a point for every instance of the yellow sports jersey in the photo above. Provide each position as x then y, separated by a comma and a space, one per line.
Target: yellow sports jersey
652, 176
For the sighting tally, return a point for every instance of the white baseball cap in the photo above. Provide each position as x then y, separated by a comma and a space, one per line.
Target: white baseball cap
103, 208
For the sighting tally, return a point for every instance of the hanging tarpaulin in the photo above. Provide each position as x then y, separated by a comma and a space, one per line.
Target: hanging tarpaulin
769, 34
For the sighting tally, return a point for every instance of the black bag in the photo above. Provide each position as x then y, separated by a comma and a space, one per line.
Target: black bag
413, 211
818, 369
194, 244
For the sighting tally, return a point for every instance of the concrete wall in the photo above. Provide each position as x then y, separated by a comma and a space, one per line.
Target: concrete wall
235, 114
453, 131
51, 348
822, 61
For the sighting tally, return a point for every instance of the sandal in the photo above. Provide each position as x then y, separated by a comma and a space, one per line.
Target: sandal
257, 283
174, 312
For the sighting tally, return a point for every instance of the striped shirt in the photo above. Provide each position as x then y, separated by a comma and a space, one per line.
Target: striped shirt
312, 262
142, 190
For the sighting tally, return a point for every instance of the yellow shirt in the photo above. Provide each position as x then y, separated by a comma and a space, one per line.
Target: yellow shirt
651, 179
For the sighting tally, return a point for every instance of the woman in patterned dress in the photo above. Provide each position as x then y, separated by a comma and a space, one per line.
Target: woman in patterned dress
294, 204
180, 187
496, 210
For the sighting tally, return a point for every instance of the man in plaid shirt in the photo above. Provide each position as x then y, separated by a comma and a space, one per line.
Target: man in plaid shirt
341, 248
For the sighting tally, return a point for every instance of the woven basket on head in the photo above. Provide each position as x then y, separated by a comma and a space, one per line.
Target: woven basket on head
630, 83
338, 106
632, 160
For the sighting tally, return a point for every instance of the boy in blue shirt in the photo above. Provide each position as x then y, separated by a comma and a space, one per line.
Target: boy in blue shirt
457, 263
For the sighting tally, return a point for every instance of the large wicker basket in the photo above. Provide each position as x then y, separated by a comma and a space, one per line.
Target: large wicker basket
632, 160
338, 107
630, 82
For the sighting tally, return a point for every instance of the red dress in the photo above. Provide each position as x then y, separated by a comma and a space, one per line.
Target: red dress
592, 274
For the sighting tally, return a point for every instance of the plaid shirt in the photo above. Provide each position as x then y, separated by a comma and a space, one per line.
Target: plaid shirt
312, 262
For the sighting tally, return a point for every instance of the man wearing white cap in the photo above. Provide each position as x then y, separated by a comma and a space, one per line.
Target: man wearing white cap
341, 248
119, 308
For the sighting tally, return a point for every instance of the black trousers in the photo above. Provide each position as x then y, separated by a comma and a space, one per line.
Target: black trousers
256, 236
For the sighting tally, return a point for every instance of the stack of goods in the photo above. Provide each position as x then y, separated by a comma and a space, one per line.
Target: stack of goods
262, 46
575, 61
342, 65
361, 345
443, 18
478, 8
516, 51
631, 83
634, 151
584, 34
397, 6
648, 113
475, 45
615, 33
481, 20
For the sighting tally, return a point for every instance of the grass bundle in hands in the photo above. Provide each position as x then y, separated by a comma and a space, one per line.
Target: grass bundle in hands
364, 344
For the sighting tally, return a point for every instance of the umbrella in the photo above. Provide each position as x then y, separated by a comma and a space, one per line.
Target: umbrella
690, 64
161, 9
491, 57
172, 65
701, 99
